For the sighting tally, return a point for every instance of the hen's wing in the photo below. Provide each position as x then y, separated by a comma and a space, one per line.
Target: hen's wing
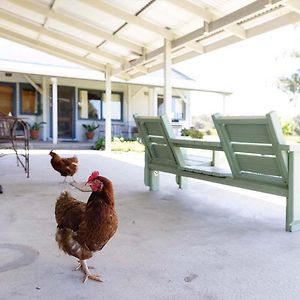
69, 212
70, 165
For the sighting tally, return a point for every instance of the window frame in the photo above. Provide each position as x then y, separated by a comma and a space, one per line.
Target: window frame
160, 101
38, 100
102, 93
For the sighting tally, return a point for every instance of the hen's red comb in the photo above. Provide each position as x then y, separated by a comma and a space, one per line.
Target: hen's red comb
94, 175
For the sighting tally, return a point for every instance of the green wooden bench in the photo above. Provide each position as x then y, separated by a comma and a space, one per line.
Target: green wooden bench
258, 157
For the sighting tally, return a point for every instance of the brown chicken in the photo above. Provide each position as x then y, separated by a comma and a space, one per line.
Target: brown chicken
65, 166
84, 228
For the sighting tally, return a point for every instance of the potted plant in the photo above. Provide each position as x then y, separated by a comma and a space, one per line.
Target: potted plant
90, 128
35, 129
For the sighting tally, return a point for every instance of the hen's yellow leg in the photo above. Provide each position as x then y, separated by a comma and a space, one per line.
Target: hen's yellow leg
88, 274
79, 266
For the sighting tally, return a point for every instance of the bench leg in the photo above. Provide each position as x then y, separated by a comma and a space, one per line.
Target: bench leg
151, 179
182, 182
293, 200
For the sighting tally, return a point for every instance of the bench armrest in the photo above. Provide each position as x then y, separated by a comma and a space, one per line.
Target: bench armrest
290, 147
196, 143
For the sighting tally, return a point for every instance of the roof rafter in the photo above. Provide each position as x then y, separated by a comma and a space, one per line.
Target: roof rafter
204, 13
16, 37
115, 11
71, 21
59, 36
209, 16
290, 18
208, 28
293, 5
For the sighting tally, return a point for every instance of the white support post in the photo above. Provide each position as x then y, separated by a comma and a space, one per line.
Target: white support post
54, 110
44, 107
154, 101
108, 108
293, 199
224, 108
167, 79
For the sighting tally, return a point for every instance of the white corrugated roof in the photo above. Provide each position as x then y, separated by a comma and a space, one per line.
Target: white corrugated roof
129, 34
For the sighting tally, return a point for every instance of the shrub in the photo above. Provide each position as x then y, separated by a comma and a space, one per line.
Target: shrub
121, 144
192, 132
100, 144
296, 121
287, 128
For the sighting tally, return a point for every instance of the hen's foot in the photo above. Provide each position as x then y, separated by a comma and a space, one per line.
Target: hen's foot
93, 277
88, 274
79, 266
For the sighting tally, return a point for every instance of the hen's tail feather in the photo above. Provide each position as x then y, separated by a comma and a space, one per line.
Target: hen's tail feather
64, 197
66, 242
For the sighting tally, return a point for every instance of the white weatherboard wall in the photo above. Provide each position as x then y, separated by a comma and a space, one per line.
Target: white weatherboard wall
136, 99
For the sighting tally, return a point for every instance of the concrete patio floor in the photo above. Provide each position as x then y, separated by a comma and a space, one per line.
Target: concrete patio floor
205, 242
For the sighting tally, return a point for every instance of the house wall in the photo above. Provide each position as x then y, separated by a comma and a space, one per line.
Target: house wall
137, 99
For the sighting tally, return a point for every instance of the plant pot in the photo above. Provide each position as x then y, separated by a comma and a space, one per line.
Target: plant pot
35, 134
89, 135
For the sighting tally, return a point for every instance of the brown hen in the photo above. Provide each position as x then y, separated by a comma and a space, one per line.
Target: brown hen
84, 228
65, 166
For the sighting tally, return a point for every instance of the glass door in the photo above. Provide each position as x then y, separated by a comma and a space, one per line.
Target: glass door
65, 110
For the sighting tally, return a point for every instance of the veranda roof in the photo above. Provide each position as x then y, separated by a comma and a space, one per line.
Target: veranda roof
130, 36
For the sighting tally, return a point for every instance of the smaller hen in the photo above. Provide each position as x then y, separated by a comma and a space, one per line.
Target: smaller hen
65, 166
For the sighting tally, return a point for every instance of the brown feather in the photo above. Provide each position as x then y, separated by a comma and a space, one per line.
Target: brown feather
85, 228
65, 166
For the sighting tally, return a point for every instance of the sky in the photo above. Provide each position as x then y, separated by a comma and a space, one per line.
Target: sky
250, 70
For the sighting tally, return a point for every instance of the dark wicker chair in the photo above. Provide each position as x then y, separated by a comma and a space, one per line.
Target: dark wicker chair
15, 134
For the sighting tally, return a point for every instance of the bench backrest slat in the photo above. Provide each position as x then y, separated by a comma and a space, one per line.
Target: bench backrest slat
155, 133
251, 145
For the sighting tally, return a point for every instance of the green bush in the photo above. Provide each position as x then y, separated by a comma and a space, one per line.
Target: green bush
121, 144
287, 128
296, 121
100, 144
192, 132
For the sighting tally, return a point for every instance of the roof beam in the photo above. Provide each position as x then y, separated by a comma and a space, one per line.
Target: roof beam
197, 47
204, 13
16, 37
219, 24
236, 30
59, 36
27, 77
290, 18
115, 11
209, 16
293, 5
70, 21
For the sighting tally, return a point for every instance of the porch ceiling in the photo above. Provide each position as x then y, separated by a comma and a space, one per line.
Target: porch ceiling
129, 35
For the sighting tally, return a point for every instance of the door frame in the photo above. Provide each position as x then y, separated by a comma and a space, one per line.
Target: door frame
73, 115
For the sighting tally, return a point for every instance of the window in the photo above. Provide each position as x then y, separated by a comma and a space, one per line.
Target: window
91, 105
116, 106
7, 96
178, 108
29, 100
